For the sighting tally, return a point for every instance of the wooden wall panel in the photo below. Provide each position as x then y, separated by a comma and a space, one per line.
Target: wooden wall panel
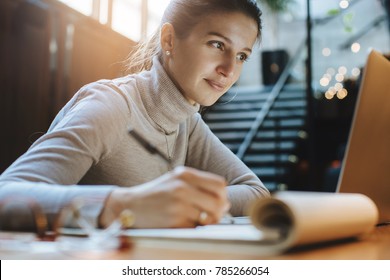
89, 61
25, 93
39, 74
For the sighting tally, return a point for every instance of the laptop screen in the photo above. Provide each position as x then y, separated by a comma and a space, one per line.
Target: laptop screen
366, 164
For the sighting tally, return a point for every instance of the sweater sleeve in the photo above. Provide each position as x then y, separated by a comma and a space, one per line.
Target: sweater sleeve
83, 133
51, 199
207, 152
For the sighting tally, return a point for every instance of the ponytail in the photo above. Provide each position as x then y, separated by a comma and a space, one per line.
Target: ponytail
141, 58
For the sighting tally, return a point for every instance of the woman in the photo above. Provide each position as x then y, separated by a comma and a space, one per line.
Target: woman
196, 56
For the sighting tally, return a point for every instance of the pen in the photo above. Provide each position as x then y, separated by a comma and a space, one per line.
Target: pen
149, 147
228, 217
153, 150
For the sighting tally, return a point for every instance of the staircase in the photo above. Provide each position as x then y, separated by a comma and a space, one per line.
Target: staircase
271, 154
265, 126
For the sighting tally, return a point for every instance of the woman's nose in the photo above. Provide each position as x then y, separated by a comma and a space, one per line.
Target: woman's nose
227, 67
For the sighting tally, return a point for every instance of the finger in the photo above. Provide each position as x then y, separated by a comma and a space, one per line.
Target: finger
206, 181
188, 215
187, 202
213, 206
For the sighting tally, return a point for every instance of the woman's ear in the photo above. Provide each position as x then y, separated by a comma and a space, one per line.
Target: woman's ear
167, 37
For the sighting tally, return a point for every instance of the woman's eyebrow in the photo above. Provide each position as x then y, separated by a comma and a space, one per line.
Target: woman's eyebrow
213, 33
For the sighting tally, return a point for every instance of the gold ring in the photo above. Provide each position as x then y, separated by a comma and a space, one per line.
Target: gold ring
203, 217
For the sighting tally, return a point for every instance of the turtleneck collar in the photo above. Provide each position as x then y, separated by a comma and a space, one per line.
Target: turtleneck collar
165, 104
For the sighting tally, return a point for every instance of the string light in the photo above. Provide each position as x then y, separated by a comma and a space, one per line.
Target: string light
355, 47
339, 77
338, 86
329, 95
355, 72
342, 93
332, 90
342, 70
324, 81
344, 4
331, 71
326, 52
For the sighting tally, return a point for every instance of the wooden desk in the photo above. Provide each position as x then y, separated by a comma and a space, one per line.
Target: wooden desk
375, 246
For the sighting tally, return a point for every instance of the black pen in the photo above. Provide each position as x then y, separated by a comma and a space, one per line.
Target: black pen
148, 146
153, 150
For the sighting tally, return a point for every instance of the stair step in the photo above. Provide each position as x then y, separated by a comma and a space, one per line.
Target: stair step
263, 172
231, 135
227, 116
255, 106
236, 96
290, 104
259, 148
266, 158
236, 125
288, 123
284, 113
245, 125
285, 134
280, 165
261, 135
242, 106
233, 146
266, 146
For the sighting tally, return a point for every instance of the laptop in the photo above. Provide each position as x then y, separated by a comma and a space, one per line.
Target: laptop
366, 164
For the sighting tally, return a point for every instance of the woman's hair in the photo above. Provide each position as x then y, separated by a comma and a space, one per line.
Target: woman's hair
184, 15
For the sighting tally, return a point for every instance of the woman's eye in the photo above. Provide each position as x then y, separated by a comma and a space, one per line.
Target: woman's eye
217, 45
242, 57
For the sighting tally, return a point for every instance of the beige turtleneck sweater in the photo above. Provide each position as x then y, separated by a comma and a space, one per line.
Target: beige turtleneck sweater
87, 150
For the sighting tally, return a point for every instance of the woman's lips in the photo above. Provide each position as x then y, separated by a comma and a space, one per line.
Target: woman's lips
216, 85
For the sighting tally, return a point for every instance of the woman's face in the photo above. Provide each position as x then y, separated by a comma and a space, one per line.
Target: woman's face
209, 61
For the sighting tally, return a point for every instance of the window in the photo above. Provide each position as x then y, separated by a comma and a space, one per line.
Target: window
155, 12
83, 6
126, 18
135, 19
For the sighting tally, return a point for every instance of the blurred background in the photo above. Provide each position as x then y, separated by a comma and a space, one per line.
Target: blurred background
287, 118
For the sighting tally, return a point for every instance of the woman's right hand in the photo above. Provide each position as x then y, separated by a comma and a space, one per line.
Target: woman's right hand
175, 199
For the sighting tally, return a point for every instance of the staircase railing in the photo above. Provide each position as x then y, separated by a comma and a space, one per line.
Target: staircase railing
264, 111
269, 102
